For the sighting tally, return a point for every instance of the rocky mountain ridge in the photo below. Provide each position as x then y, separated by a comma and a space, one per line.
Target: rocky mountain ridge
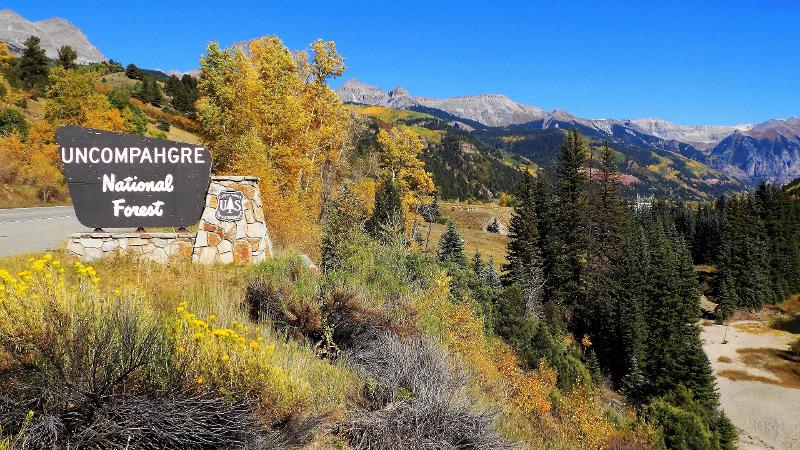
54, 33
751, 152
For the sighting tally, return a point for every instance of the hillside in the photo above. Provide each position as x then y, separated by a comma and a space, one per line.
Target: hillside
480, 162
462, 167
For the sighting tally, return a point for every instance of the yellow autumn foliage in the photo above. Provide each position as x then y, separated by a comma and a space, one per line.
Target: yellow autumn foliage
398, 156
270, 113
72, 98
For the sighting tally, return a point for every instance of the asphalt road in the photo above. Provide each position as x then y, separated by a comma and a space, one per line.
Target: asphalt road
24, 230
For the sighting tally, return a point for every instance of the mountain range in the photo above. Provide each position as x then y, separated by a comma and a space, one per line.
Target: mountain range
54, 33
769, 151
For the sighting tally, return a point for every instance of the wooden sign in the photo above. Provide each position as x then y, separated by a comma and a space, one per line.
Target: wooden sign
119, 180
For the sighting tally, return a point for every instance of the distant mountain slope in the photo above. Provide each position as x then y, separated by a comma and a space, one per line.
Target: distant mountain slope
750, 153
701, 136
54, 33
487, 160
767, 152
488, 109
462, 166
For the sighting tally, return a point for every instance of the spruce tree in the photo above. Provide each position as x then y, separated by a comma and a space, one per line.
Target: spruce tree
572, 216
33, 64
634, 275
387, 220
451, 247
632, 384
494, 226
525, 264
477, 263
597, 314
490, 275
551, 248
749, 262
133, 72
664, 320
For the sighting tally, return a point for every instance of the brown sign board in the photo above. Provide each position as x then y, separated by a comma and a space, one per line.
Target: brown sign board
119, 180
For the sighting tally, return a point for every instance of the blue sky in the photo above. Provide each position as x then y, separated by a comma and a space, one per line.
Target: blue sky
714, 62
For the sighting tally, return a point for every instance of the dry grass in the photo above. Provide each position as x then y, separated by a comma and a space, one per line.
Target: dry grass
118, 79
471, 222
779, 363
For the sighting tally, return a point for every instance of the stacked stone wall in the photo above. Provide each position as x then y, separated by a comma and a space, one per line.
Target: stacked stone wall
217, 240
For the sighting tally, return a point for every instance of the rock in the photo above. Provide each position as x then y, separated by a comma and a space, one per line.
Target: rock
209, 215
92, 254
255, 229
92, 243
215, 188
213, 239
242, 252
225, 246
208, 255
54, 33
202, 239
309, 264
160, 243
159, 255
226, 258
110, 245
75, 247
137, 241
241, 226
212, 201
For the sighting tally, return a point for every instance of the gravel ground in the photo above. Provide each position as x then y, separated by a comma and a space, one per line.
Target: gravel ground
767, 414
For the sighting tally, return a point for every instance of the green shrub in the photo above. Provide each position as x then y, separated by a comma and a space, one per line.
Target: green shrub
687, 424
12, 121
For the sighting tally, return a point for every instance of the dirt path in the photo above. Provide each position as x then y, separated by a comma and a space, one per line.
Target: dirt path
759, 389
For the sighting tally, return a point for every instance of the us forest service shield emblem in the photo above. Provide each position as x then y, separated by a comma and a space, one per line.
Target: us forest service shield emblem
231, 206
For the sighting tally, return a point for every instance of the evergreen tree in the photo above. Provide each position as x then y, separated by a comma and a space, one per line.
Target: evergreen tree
491, 276
597, 315
133, 72
749, 263
155, 95
172, 85
632, 384
572, 216
431, 213
477, 263
494, 227
67, 56
664, 320
33, 64
634, 275
551, 248
343, 216
688, 288
451, 247
387, 218
593, 366
525, 265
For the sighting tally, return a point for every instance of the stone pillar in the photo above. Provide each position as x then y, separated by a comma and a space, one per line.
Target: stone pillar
232, 228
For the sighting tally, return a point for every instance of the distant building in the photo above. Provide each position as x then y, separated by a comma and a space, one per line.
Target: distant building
643, 203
